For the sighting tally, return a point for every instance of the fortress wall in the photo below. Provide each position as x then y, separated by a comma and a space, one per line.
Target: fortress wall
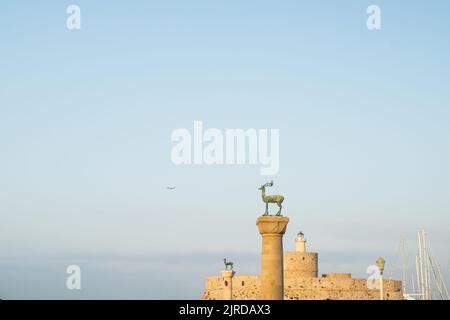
337, 275
245, 287
301, 282
300, 264
297, 294
305, 288
338, 284
214, 283
339, 289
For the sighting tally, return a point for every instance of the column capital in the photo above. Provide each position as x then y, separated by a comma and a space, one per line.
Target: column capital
227, 273
272, 225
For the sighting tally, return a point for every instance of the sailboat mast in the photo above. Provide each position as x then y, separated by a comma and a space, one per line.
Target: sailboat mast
404, 262
422, 287
427, 268
418, 275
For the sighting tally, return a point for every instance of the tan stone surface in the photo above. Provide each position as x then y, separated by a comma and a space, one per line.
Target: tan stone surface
227, 276
337, 275
301, 264
300, 284
248, 288
292, 275
272, 229
245, 287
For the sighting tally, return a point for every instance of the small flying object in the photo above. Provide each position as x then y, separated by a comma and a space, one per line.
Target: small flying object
170, 188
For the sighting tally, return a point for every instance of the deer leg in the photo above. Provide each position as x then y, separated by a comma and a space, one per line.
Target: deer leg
267, 209
279, 211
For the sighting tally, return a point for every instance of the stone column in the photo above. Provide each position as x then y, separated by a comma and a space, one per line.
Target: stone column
228, 279
272, 229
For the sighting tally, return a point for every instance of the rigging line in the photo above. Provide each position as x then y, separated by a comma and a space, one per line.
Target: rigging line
436, 278
397, 258
442, 279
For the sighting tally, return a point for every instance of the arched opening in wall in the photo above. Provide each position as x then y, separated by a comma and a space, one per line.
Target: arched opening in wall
242, 283
226, 283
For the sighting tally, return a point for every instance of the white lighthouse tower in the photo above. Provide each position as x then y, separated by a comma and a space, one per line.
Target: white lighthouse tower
300, 242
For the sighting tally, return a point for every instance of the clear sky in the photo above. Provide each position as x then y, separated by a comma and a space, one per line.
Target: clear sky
86, 118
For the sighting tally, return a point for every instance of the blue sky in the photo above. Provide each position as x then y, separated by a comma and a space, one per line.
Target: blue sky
86, 118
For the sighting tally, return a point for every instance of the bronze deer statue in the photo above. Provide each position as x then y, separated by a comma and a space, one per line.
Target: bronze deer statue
228, 263
278, 199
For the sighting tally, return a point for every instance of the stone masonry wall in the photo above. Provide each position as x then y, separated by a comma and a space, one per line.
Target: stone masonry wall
300, 264
248, 288
301, 283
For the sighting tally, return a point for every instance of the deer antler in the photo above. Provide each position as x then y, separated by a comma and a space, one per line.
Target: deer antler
268, 184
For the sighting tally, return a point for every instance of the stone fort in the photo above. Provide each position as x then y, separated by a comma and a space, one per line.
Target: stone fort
294, 276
